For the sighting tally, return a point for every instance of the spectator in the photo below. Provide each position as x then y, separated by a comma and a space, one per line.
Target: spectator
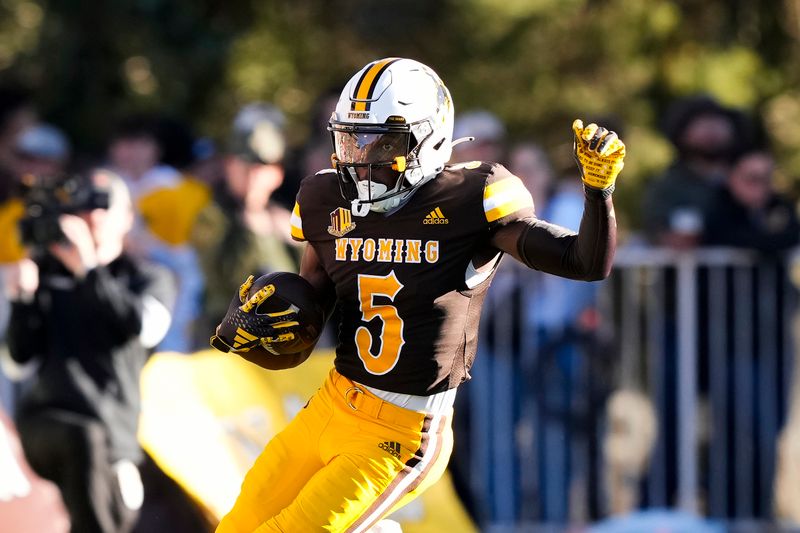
528, 161
315, 154
677, 212
87, 314
489, 134
134, 149
150, 153
748, 212
16, 115
676, 203
207, 164
243, 231
43, 149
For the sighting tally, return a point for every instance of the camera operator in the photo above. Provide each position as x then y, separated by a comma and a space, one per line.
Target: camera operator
86, 314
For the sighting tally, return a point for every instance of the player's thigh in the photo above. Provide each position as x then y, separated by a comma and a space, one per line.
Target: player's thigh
377, 470
337, 495
282, 469
435, 469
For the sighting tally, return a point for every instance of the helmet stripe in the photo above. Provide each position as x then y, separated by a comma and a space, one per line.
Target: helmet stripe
369, 80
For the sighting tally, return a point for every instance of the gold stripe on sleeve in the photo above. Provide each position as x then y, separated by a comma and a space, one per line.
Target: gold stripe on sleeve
515, 204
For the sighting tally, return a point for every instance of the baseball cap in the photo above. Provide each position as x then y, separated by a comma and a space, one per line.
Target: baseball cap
481, 124
257, 134
43, 141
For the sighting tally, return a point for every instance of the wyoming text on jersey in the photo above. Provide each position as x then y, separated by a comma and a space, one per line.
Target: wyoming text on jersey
387, 250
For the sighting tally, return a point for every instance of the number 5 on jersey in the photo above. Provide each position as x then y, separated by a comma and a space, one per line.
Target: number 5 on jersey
391, 335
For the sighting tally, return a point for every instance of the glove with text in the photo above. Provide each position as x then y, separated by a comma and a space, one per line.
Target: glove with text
599, 154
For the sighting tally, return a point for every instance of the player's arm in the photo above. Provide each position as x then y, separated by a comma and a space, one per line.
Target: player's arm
312, 270
588, 254
310, 264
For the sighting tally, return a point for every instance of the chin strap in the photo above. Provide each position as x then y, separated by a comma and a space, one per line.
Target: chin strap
359, 208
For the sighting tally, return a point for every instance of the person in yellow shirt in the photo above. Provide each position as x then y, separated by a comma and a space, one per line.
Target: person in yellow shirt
150, 153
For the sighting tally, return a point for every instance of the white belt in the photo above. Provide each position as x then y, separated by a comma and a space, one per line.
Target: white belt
434, 404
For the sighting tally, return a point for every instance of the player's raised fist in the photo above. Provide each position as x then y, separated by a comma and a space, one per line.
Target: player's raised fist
599, 154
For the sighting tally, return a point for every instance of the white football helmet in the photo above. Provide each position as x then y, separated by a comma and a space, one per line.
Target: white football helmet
394, 114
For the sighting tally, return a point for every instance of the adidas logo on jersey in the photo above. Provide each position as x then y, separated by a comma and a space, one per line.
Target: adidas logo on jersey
392, 447
435, 217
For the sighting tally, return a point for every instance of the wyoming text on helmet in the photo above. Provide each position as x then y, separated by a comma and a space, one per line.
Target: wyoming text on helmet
392, 132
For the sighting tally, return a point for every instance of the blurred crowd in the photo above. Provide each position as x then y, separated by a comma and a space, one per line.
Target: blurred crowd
721, 187
186, 218
108, 259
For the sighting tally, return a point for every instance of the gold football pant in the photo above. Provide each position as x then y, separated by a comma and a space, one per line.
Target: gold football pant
346, 460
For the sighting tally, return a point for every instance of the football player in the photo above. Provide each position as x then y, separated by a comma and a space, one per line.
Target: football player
407, 245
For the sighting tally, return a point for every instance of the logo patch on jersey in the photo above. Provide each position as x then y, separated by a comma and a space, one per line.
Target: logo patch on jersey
435, 217
392, 447
341, 222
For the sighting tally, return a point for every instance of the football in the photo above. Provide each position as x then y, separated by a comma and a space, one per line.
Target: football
292, 293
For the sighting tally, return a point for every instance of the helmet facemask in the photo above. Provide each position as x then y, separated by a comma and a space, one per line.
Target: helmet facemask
374, 163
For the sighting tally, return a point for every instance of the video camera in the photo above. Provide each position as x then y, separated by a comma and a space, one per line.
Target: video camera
48, 197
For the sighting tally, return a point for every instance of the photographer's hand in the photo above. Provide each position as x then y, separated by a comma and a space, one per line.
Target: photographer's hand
77, 253
20, 280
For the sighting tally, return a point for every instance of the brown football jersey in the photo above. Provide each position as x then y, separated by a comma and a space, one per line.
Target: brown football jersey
407, 283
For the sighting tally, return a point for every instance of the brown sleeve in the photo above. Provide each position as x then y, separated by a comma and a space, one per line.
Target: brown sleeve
586, 255
313, 271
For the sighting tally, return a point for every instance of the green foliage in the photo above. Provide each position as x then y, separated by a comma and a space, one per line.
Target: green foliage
536, 63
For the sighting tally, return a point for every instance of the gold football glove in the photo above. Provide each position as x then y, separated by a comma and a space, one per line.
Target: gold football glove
244, 328
599, 154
